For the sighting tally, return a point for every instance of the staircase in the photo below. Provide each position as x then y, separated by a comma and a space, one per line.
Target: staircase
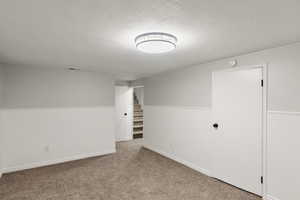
138, 121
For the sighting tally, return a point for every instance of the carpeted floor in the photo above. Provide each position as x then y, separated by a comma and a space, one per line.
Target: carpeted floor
131, 173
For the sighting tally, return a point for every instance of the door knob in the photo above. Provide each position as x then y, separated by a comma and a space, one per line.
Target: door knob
216, 126
125, 114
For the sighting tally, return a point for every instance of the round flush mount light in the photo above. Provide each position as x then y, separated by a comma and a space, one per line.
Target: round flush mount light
155, 42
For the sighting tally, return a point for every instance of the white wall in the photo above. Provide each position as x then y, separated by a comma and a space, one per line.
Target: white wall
1, 132
139, 92
284, 160
36, 137
53, 115
179, 133
168, 95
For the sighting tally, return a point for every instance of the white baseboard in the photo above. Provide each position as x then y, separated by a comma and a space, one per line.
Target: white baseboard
57, 161
283, 112
179, 160
124, 139
269, 197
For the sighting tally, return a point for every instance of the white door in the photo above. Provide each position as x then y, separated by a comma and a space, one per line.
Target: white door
123, 112
237, 111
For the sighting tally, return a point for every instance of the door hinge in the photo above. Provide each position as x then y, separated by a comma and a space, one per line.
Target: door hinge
262, 83
262, 180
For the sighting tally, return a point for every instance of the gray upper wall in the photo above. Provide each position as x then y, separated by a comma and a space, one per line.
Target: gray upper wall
26, 87
191, 86
1, 84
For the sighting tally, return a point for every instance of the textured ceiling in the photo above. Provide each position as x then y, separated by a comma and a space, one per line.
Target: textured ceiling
99, 35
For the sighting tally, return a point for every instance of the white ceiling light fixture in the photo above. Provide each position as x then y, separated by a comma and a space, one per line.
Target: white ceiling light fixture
155, 42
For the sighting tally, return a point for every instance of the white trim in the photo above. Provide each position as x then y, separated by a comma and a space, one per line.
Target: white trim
278, 112
265, 131
125, 139
57, 108
238, 68
269, 197
56, 161
177, 159
137, 86
204, 108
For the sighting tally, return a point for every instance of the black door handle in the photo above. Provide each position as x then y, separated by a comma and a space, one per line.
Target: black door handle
125, 114
216, 126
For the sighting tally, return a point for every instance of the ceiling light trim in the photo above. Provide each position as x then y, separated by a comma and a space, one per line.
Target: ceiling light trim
156, 34
155, 39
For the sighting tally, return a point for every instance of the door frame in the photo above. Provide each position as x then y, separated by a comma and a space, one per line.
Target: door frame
264, 68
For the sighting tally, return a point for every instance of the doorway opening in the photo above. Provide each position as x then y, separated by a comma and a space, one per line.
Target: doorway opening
138, 112
129, 112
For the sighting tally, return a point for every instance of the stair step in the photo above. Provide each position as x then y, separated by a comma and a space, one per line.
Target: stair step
137, 132
137, 106
136, 136
138, 126
138, 111
138, 119
138, 122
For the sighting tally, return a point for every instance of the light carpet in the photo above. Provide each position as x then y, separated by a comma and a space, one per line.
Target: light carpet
133, 173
